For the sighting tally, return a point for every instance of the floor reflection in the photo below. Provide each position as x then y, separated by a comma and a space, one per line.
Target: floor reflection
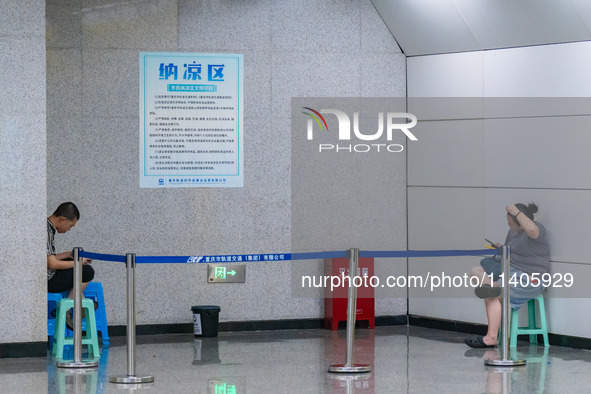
401, 359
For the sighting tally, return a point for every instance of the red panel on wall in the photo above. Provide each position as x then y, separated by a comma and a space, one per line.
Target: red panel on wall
335, 301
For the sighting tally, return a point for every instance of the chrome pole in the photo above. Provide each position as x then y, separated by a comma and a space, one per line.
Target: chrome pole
77, 307
351, 309
131, 376
349, 367
130, 262
77, 319
505, 362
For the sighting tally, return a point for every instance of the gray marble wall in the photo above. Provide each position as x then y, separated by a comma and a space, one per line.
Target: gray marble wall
22, 172
291, 49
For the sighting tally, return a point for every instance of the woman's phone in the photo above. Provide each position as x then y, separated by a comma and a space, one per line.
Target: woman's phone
491, 243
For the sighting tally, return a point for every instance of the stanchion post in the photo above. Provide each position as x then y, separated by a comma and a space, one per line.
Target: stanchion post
77, 319
349, 366
131, 377
506, 313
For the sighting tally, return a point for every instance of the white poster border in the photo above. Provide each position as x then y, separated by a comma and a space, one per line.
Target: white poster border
228, 85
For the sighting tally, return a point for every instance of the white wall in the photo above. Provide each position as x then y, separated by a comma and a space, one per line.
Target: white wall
473, 160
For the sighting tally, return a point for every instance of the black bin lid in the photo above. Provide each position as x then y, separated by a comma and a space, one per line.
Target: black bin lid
203, 308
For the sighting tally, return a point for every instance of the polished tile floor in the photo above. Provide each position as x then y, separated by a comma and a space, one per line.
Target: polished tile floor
402, 360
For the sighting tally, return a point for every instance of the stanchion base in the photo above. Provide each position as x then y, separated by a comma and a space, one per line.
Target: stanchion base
343, 368
504, 363
78, 364
131, 379
132, 386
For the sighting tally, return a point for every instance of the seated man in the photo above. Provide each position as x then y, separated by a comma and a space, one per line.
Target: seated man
60, 267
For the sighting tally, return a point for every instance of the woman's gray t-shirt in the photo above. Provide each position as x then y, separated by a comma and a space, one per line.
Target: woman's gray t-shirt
529, 255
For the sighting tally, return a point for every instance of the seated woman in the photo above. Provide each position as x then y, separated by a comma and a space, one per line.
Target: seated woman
530, 253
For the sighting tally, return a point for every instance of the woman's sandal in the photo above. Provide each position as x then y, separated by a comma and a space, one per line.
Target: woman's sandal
487, 291
477, 343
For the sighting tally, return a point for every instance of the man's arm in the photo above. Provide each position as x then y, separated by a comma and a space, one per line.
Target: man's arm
62, 261
59, 262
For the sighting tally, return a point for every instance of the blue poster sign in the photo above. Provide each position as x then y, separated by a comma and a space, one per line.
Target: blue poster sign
191, 120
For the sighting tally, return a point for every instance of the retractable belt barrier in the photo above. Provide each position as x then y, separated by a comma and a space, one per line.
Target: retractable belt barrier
245, 258
352, 254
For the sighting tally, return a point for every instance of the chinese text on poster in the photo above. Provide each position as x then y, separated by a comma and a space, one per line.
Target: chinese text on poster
191, 120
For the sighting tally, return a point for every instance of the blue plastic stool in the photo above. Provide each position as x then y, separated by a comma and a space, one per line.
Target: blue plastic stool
94, 290
60, 340
52, 299
532, 329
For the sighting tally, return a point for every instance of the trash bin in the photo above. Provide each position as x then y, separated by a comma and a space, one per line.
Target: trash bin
206, 320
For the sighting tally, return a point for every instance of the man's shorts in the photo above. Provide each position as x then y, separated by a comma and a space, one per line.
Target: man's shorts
63, 280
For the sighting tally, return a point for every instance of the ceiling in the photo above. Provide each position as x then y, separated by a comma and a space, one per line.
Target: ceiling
427, 27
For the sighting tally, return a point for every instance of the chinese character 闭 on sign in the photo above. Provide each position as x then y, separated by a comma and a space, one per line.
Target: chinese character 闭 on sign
191, 132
